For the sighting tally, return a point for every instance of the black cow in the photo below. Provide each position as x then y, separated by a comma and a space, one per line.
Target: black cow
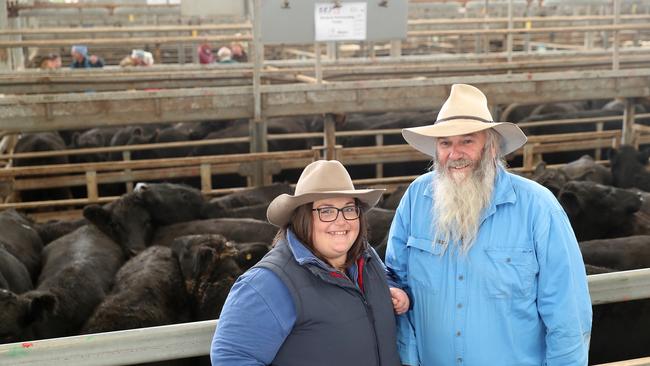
209, 266
170, 203
14, 276
240, 230
93, 138
254, 197
18, 237
126, 220
626, 253
40, 142
149, 290
54, 229
78, 271
620, 330
598, 211
629, 168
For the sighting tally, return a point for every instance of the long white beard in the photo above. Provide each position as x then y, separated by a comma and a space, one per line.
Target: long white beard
459, 202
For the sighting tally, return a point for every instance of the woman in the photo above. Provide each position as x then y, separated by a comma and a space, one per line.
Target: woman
320, 296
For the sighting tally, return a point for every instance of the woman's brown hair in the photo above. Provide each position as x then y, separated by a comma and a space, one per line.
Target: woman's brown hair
301, 225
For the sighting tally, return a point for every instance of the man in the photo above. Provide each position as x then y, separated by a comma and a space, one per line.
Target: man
224, 55
488, 258
79, 55
81, 59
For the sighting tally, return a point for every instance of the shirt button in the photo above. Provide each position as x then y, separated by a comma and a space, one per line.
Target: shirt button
459, 359
459, 305
460, 278
458, 334
508, 260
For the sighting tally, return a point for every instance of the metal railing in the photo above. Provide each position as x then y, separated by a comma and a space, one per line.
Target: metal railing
193, 339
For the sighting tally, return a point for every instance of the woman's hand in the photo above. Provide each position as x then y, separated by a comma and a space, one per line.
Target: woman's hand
400, 300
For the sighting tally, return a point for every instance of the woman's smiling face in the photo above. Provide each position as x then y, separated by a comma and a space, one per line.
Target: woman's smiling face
333, 239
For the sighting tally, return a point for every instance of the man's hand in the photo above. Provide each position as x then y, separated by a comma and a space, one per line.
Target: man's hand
400, 300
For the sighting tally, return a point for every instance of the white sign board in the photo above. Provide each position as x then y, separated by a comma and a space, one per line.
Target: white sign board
342, 22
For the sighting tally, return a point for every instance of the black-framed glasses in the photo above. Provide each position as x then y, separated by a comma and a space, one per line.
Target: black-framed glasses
329, 214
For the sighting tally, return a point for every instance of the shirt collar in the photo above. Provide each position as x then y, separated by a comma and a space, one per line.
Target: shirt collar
304, 256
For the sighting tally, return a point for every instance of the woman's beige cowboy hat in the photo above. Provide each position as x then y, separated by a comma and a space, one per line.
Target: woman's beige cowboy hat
320, 179
465, 111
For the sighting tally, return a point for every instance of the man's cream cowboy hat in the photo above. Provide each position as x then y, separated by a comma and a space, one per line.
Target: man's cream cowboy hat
465, 111
320, 179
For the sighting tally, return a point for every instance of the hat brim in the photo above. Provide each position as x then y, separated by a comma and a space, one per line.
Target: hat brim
420, 137
281, 208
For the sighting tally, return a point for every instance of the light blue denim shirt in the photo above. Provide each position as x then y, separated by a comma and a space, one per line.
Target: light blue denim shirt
519, 297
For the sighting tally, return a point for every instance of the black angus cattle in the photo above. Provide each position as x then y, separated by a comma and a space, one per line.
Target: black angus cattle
149, 291
93, 138
379, 220
125, 220
553, 179
239, 229
246, 203
629, 168
586, 169
274, 126
14, 276
621, 330
18, 237
209, 267
170, 203
392, 201
598, 211
41, 142
54, 229
78, 271
626, 253
248, 254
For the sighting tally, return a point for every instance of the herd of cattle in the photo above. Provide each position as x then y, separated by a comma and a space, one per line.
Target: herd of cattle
164, 254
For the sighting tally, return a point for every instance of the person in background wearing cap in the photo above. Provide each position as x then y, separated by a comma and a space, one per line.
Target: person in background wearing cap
81, 60
137, 58
238, 52
320, 296
224, 56
79, 55
488, 258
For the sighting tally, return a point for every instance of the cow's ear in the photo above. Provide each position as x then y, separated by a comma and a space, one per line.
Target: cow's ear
42, 305
570, 203
99, 216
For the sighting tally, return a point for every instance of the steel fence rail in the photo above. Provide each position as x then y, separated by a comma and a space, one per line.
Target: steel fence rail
193, 339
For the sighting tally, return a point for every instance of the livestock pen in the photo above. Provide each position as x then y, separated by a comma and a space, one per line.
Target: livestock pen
516, 59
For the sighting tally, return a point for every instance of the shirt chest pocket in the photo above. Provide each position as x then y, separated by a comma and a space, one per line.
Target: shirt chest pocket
511, 272
425, 264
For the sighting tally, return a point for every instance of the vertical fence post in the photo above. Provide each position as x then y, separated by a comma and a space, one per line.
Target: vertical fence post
329, 137
91, 186
627, 135
617, 19
126, 156
206, 178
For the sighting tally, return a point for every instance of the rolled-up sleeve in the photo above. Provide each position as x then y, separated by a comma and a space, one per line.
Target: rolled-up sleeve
563, 300
256, 319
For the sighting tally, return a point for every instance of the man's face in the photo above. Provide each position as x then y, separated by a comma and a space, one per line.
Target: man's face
460, 155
